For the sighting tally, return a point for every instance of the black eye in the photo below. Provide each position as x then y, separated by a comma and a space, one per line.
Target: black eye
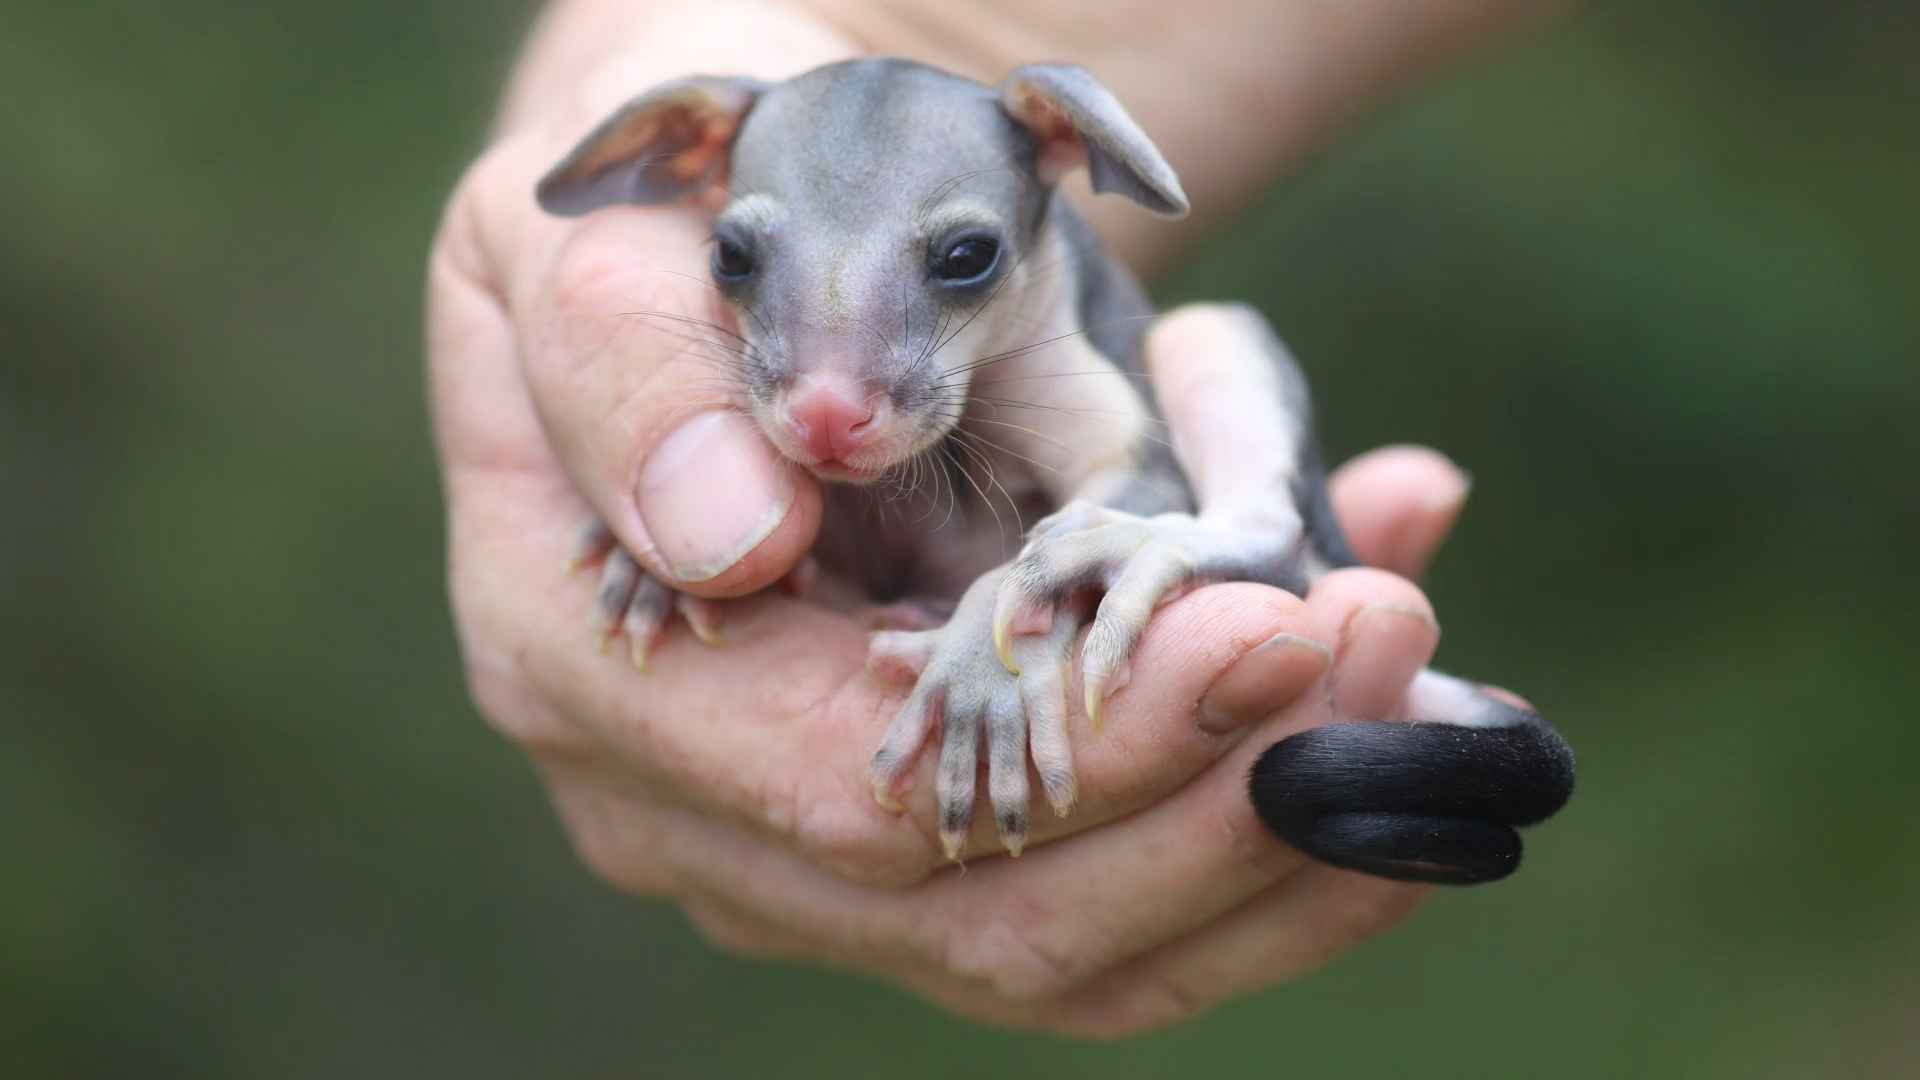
968, 259
731, 261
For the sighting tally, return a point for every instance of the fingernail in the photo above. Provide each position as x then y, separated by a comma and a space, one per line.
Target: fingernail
1383, 647
1450, 496
710, 492
1419, 539
1265, 678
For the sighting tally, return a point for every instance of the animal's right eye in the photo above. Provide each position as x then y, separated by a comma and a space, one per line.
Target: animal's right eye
731, 261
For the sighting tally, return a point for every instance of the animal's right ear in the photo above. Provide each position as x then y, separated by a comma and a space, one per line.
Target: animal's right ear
661, 147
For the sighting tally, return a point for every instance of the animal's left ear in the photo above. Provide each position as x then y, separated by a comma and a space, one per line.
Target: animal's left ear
1080, 122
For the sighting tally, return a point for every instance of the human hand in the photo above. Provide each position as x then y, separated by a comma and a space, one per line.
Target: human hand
734, 782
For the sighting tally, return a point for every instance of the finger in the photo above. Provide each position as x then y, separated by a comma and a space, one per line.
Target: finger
1389, 634
1283, 933
633, 367
1154, 737
1397, 504
1068, 911
1093, 901
621, 838
636, 371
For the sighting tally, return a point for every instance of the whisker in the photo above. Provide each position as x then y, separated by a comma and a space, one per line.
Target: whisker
982, 438
675, 316
1025, 349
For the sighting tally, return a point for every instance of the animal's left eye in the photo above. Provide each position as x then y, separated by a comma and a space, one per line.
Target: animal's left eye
968, 259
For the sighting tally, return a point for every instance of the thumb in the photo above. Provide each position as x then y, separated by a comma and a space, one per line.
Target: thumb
635, 372
720, 512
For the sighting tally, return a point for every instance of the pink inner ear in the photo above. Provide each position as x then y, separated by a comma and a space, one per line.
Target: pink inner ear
1061, 150
686, 135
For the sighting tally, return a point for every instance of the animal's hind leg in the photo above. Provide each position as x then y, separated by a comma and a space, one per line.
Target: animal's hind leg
1436, 798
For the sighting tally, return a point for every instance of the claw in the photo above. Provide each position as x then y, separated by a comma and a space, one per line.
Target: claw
588, 545
954, 844
704, 617
1010, 619
1062, 807
883, 794
1003, 638
1013, 828
1095, 685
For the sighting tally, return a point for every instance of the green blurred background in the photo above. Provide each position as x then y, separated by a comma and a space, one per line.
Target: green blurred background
1651, 275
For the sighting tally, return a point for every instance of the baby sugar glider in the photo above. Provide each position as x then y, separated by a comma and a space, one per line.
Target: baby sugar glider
924, 320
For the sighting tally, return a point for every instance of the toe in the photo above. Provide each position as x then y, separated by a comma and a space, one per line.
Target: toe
959, 765
618, 579
1043, 692
900, 747
589, 544
899, 656
645, 622
1123, 617
1007, 768
703, 616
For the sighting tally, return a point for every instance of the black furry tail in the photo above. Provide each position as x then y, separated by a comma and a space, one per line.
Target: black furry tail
1424, 800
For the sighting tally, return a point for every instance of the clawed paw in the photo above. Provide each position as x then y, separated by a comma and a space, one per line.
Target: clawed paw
632, 602
962, 689
1000, 669
1135, 562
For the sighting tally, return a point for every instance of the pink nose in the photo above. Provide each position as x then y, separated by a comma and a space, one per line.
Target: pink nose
829, 425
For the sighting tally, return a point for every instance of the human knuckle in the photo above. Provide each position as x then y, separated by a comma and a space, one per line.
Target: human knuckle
1249, 844
839, 828
608, 856
1008, 951
852, 846
1155, 1000
732, 935
514, 710
592, 277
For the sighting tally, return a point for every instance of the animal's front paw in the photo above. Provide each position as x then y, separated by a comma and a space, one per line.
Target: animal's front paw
1138, 563
633, 602
962, 689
